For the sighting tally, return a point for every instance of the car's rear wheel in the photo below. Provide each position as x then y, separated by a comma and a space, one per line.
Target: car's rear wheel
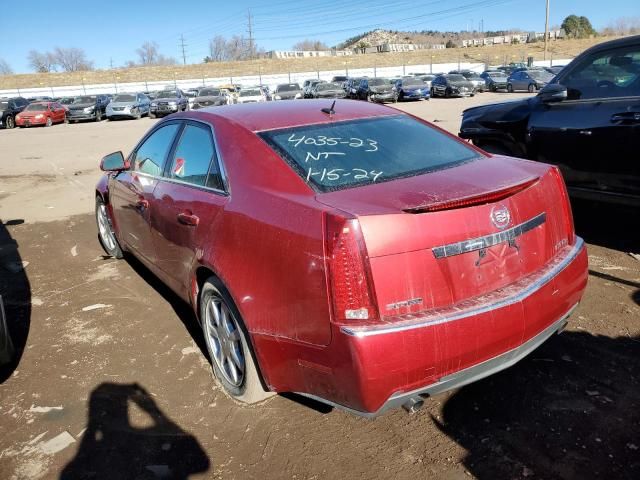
48, 122
228, 345
10, 122
106, 235
532, 88
152, 115
509, 88
137, 115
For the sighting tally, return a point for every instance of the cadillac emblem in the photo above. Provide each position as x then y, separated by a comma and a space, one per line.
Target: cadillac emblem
500, 217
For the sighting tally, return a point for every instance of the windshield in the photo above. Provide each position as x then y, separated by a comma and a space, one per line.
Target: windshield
497, 75
124, 98
456, 78
168, 94
471, 75
361, 152
288, 87
252, 92
36, 107
4, 105
66, 101
374, 82
84, 100
209, 92
412, 82
328, 86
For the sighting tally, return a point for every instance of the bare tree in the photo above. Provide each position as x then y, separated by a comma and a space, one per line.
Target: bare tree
5, 68
218, 49
42, 62
310, 45
72, 59
148, 53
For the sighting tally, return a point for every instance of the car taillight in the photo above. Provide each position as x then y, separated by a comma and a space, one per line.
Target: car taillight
349, 278
566, 205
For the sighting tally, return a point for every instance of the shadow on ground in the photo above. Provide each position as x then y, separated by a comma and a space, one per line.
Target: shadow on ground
570, 410
607, 225
16, 296
128, 437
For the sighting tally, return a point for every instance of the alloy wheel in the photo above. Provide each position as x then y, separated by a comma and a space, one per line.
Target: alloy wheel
223, 339
104, 227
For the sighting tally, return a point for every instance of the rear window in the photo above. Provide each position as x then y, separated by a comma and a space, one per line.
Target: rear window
350, 154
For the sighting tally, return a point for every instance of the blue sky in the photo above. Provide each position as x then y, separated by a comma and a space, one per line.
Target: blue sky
111, 31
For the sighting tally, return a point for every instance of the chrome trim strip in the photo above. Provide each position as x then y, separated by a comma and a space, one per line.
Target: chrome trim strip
463, 377
456, 313
478, 243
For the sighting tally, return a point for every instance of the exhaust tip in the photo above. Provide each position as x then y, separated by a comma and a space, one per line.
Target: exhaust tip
413, 404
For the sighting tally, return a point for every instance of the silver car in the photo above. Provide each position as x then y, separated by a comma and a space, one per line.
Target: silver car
128, 105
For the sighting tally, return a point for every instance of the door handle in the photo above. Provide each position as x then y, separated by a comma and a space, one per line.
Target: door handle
142, 203
187, 218
631, 117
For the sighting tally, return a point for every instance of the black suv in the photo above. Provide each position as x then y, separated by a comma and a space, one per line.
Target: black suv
87, 107
586, 121
9, 108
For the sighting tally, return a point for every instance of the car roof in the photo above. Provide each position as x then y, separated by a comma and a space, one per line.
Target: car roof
276, 115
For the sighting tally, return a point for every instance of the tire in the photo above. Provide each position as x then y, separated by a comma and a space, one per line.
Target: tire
106, 235
493, 88
447, 94
531, 88
509, 88
98, 116
432, 93
48, 122
9, 123
228, 345
152, 115
138, 115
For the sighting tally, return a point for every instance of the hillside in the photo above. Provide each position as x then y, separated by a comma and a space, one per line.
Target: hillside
492, 55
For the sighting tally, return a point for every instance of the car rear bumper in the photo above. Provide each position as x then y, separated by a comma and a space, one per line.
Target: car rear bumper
425, 355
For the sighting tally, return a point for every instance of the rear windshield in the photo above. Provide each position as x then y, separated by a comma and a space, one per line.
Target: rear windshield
209, 92
328, 86
84, 100
124, 98
288, 87
250, 93
455, 78
361, 152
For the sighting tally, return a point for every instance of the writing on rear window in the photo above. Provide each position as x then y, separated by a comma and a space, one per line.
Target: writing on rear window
333, 156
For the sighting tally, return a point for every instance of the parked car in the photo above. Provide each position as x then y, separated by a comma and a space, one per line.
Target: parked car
427, 79
475, 79
585, 121
210, 97
530, 80
168, 101
287, 91
451, 85
308, 85
41, 113
328, 209
267, 92
9, 108
87, 107
494, 80
512, 67
339, 79
39, 98
65, 102
328, 90
251, 95
377, 89
410, 88
191, 94
128, 105
351, 87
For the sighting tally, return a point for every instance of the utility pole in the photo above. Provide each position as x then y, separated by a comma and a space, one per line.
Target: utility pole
183, 45
111, 62
250, 32
546, 31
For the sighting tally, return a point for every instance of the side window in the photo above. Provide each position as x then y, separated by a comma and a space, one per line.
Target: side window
150, 157
193, 158
607, 74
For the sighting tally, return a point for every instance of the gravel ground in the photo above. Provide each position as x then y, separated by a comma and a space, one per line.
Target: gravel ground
113, 381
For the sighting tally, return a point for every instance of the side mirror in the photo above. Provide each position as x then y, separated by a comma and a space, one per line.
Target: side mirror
553, 92
114, 162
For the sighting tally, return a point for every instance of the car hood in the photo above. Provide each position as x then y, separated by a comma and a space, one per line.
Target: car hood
122, 104
288, 93
80, 106
461, 83
165, 99
331, 93
216, 98
249, 97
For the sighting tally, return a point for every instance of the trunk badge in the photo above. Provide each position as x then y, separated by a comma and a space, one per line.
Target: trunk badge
500, 217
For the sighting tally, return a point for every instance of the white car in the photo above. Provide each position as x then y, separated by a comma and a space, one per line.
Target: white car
251, 95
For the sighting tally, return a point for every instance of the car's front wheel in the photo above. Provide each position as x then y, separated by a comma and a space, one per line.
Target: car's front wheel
228, 345
9, 122
106, 235
48, 122
509, 88
532, 88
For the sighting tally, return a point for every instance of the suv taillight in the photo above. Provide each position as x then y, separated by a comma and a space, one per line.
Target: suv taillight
349, 277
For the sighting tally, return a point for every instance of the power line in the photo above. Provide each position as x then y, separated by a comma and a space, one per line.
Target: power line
250, 32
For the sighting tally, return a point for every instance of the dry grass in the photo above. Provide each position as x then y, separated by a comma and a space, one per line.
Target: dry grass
491, 54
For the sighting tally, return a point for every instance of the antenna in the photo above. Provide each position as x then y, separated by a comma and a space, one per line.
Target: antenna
330, 110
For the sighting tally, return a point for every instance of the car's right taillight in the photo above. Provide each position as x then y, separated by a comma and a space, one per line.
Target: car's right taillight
566, 204
349, 278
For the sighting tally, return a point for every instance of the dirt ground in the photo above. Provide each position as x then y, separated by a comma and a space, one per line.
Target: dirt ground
113, 381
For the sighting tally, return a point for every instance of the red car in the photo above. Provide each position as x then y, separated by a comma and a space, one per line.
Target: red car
41, 113
354, 254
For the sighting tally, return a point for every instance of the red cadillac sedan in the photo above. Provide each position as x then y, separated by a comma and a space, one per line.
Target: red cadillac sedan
41, 113
350, 253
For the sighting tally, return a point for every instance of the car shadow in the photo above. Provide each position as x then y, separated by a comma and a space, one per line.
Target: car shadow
606, 225
15, 290
129, 437
569, 410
